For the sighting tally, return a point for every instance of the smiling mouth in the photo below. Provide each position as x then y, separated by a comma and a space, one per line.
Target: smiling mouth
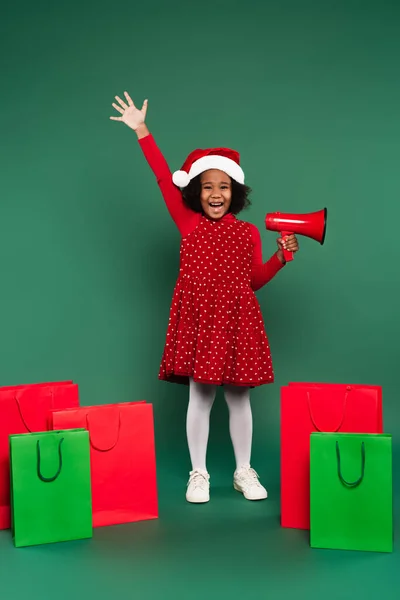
216, 204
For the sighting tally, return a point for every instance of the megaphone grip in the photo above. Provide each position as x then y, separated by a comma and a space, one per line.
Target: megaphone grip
287, 255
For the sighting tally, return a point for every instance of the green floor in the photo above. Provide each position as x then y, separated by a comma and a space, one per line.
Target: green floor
229, 548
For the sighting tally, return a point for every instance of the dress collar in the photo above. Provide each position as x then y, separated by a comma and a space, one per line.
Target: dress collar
228, 218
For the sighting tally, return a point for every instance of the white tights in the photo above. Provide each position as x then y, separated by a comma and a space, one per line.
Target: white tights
201, 400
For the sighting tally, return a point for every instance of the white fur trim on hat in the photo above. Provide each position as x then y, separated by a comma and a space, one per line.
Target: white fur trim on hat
212, 161
181, 179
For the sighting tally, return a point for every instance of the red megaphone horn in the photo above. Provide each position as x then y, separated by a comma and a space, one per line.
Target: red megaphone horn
312, 225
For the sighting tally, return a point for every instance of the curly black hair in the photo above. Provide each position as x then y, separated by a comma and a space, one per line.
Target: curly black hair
240, 196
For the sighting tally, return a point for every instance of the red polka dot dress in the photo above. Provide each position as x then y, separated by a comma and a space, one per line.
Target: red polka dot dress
215, 332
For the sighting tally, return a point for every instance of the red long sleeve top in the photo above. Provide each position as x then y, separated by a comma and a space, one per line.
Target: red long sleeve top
187, 220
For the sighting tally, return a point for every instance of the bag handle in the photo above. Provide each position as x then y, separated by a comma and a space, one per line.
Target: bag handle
351, 484
348, 389
42, 477
21, 414
110, 447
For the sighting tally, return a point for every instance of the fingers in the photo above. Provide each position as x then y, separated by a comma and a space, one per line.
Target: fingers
129, 99
116, 118
123, 106
118, 108
122, 103
290, 243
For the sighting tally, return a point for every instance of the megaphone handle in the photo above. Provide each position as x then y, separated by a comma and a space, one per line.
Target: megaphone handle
288, 256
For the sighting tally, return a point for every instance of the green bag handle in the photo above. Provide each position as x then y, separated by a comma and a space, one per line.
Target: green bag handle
91, 436
352, 484
49, 479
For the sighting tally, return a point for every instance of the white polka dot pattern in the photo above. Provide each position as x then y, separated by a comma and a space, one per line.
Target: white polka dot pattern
216, 331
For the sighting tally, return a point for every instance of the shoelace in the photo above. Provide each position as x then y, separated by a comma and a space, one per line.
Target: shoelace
250, 476
198, 480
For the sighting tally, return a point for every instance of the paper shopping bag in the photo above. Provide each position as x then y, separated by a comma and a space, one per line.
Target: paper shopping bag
307, 409
50, 487
351, 492
123, 461
25, 409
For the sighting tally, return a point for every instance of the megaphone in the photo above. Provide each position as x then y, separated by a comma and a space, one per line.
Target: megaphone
312, 225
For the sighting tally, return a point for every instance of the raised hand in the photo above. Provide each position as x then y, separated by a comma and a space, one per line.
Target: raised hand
131, 116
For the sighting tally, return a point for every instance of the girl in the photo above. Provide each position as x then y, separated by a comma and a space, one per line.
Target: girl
215, 335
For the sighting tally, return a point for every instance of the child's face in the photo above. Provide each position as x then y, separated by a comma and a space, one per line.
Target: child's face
216, 193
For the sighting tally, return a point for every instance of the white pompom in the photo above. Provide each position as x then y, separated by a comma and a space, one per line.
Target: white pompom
181, 179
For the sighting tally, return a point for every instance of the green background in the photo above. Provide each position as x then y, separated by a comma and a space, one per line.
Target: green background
309, 93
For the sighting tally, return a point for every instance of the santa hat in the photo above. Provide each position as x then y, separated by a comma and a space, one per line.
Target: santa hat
198, 161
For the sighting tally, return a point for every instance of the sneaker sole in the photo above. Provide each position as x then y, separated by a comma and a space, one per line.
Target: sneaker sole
239, 489
197, 501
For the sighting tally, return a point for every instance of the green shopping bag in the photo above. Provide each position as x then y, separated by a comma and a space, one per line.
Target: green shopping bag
351, 491
51, 497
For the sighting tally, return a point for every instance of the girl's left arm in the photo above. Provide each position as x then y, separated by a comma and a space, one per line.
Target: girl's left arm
262, 272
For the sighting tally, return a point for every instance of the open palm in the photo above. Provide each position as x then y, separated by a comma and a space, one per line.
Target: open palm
131, 116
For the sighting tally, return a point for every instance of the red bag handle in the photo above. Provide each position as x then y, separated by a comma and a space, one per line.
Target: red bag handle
348, 389
110, 447
22, 416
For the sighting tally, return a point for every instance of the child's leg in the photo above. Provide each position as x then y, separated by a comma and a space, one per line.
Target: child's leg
245, 479
201, 400
240, 422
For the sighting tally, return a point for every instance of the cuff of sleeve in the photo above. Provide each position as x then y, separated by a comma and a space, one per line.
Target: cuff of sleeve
278, 265
144, 141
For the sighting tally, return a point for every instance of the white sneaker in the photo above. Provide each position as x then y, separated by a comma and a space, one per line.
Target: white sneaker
245, 480
198, 487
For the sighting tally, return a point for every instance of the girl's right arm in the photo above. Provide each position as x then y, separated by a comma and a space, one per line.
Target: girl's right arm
185, 219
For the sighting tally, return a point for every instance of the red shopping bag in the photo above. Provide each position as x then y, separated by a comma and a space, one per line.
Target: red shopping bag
306, 408
25, 409
123, 461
